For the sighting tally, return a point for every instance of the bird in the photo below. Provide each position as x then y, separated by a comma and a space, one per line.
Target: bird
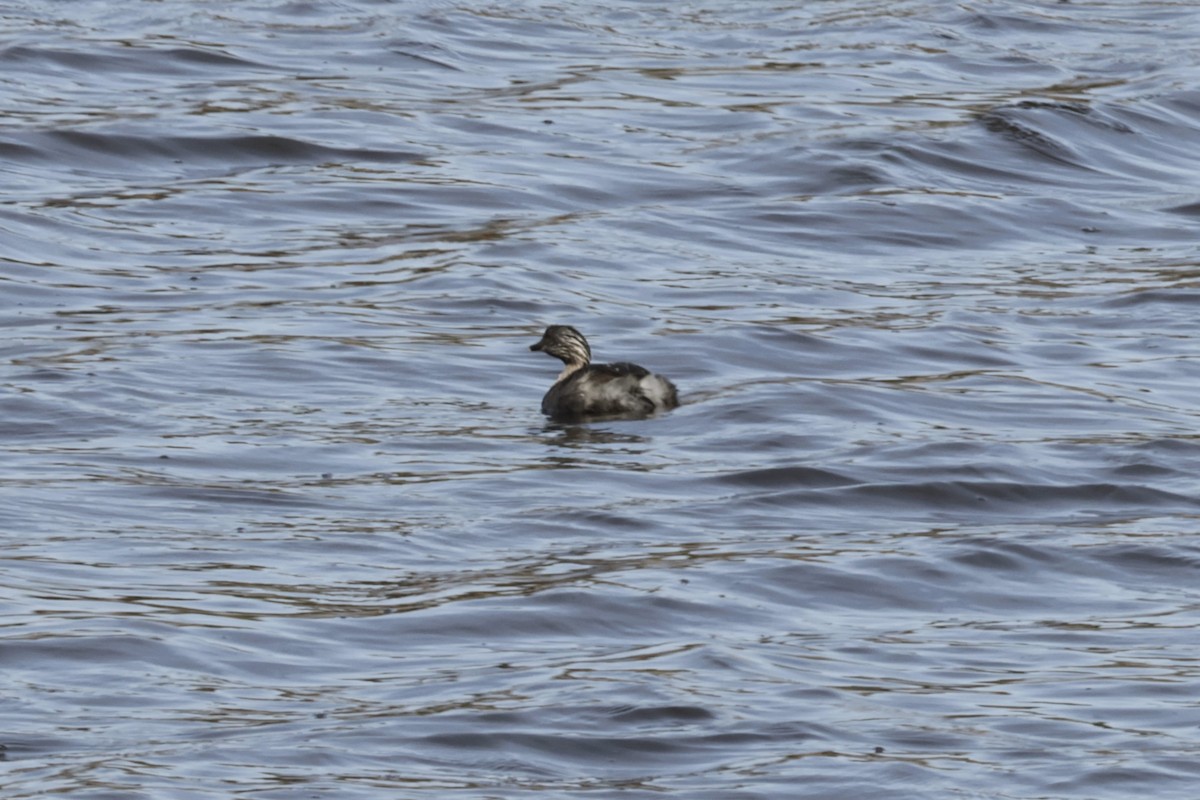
584, 390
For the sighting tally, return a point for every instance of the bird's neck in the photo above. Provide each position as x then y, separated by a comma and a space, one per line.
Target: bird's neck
570, 369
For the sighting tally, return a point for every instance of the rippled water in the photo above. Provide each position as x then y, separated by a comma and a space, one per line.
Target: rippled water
281, 516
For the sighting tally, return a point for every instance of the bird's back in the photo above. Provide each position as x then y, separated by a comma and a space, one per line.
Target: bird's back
609, 390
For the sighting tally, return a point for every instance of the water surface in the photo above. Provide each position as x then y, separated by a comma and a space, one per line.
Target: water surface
281, 517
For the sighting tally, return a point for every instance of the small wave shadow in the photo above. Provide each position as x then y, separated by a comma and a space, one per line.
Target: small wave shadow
576, 434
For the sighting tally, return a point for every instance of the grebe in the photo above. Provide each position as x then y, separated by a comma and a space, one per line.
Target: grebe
586, 390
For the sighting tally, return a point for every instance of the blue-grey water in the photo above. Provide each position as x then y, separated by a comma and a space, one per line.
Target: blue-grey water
279, 515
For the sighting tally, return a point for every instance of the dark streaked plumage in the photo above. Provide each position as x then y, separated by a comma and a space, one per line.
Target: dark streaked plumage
585, 390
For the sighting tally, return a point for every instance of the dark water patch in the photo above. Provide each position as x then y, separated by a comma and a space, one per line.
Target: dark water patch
1154, 562
657, 716
1009, 122
625, 753
1124, 779
967, 500
140, 62
1015, 558
111, 648
1166, 297
1132, 149
1187, 209
784, 476
90, 149
29, 416
1145, 471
